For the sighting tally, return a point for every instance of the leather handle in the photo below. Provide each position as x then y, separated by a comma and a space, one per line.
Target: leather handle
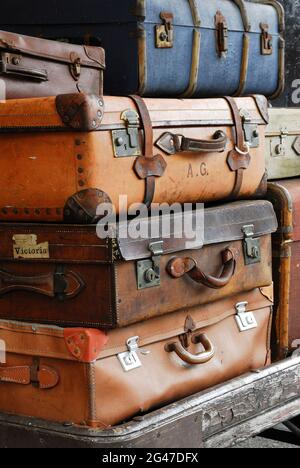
44, 377
61, 284
190, 358
173, 144
178, 267
216, 145
15, 70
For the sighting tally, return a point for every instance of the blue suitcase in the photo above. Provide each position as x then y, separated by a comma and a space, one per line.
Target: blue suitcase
169, 48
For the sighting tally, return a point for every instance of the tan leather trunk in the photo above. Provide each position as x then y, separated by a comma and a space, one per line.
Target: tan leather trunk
62, 157
72, 375
34, 67
285, 195
67, 275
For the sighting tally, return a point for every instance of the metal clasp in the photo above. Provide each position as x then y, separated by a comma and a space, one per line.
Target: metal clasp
130, 360
165, 31
148, 271
245, 320
252, 250
75, 66
251, 131
221, 34
266, 40
126, 142
280, 148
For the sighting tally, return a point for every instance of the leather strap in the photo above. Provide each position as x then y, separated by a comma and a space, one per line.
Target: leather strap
148, 166
43, 376
216, 145
239, 158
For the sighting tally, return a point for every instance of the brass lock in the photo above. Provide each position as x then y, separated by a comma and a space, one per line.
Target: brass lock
221, 34
165, 31
266, 40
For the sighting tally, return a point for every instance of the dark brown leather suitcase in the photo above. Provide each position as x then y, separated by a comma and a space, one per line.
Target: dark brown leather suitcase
67, 275
33, 67
89, 378
285, 195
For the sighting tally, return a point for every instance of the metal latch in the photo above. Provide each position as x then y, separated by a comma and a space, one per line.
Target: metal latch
165, 31
148, 271
252, 250
75, 66
279, 149
221, 34
126, 141
266, 40
251, 131
245, 320
130, 360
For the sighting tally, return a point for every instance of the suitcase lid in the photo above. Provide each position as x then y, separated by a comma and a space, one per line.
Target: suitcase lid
186, 13
53, 243
52, 50
82, 112
216, 225
283, 121
86, 345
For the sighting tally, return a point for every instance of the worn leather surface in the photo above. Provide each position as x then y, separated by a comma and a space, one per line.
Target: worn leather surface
56, 58
47, 167
168, 70
285, 194
100, 290
282, 133
103, 394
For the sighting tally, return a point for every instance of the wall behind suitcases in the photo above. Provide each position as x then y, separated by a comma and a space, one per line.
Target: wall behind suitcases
291, 96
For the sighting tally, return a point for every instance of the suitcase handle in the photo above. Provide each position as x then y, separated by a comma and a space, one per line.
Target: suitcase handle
175, 143
178, 267
60, 284
44, 377
190, 358
15, 70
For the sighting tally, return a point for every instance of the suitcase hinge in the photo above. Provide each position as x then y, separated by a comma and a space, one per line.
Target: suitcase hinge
221, 34
252, 250
251, 131
245, 320
266, 40
126, 142
130, 360
165, 31
148, 271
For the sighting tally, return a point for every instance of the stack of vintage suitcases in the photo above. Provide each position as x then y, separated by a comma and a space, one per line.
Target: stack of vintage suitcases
94, 330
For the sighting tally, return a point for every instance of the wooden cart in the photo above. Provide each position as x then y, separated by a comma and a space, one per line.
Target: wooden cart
220, 417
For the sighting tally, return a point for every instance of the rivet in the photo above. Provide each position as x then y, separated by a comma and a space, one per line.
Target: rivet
4, 210
15, 211
119, 141
78, 142
79, 157
94, 123
100, 103
99, 113
77, 351
66, 118
80, 170
81, 183
26, 211
81, 195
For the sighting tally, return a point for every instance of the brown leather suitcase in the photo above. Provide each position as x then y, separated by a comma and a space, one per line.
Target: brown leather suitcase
61, 157
285, 195
34, 67
89, 378
66, 275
